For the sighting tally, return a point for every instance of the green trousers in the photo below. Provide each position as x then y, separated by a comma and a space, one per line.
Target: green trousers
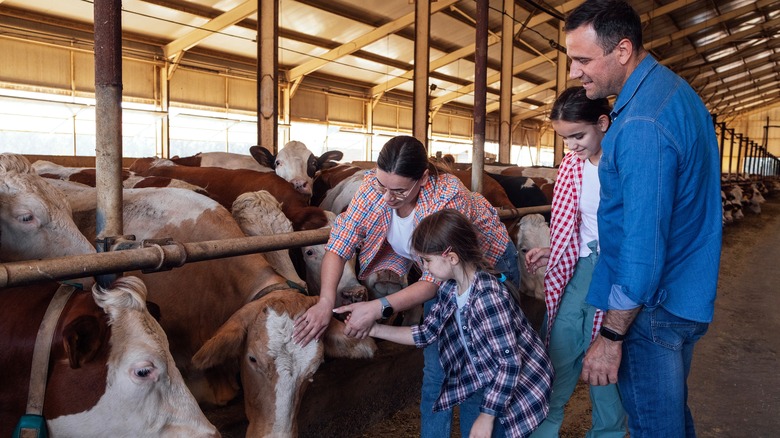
569, 340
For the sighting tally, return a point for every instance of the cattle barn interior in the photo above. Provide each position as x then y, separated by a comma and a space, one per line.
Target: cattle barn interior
97, 83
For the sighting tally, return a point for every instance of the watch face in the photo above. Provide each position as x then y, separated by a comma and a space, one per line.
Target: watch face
387, 312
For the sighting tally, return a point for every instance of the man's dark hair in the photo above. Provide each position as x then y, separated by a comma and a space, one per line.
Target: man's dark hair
613, 20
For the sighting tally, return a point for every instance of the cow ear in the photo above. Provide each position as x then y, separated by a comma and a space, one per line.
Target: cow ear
227, 344
327, 159
82, 339
263, 156
339, 345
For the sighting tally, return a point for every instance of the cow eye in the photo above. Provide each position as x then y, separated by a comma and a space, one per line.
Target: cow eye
309, 252
26, 218
277, 163
143, 372
252, 359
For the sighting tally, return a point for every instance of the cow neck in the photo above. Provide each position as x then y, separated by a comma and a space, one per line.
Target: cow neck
278, 286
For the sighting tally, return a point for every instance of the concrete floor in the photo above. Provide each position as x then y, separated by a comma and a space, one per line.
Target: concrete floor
735, 382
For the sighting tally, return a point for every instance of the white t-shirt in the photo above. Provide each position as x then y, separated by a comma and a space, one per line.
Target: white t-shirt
589, 205
399, 234
462, 299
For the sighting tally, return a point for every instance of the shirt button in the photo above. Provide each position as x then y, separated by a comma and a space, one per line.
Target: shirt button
506, 351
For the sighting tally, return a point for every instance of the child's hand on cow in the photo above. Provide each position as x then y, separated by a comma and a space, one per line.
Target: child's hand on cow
536, 258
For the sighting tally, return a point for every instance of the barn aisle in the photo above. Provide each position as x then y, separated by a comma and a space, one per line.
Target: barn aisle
735, 384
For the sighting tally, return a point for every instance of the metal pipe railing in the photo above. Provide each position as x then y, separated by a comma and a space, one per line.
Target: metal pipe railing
157, 255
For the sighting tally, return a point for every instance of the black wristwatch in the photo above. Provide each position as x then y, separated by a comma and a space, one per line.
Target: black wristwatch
611, 334
387, 309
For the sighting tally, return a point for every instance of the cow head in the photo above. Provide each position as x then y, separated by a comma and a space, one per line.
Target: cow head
275, 371
349, 290
295, 163
533, 233
144, 391
34, 221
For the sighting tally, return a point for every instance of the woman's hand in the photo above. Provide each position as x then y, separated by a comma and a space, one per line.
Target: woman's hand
313, 323
536, 258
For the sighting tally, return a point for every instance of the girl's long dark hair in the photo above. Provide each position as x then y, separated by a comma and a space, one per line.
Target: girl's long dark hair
572, 105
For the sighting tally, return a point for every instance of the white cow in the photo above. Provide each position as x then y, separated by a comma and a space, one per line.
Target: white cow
349, 289
533, 232
34, 222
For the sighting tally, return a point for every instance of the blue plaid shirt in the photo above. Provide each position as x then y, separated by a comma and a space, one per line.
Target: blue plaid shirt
503, 354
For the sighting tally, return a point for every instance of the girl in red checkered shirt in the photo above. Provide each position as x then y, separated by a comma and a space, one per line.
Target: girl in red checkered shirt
571, 322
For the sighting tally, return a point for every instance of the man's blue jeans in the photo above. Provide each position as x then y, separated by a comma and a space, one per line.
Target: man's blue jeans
654, 371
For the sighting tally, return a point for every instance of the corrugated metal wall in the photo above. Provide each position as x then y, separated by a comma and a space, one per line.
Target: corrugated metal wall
70, 71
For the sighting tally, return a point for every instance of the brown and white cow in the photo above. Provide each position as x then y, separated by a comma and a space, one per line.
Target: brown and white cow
226, 160
296, 163
259, 336
225, 185
197, 298
110, 371
88, 176
328, 179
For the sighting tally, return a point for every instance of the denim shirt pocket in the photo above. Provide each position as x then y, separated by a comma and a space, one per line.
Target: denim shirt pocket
608, 177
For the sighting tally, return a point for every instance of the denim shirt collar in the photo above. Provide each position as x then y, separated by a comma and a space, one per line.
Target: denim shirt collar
632, 84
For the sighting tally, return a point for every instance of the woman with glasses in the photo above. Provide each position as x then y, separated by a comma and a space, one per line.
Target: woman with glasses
394, 197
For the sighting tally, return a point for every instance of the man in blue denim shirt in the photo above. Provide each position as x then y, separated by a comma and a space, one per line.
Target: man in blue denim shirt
659, 220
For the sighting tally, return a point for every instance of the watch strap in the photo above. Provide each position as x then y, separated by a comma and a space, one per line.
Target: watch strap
611, 334
385, 306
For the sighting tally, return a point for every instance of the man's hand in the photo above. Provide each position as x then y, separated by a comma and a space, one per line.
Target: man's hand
601, 362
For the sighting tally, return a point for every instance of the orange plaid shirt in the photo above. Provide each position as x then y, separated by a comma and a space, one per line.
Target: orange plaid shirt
362, 228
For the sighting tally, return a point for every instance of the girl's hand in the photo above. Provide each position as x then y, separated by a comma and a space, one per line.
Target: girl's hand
536, 258
483, 426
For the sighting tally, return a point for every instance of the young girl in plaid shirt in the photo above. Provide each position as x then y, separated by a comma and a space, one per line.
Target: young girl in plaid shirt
489, 351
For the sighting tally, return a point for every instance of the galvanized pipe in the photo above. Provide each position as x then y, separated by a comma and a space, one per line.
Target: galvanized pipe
108, 116
480, 95
169, 256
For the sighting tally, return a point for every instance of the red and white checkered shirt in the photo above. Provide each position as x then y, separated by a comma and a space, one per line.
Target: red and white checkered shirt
564, 239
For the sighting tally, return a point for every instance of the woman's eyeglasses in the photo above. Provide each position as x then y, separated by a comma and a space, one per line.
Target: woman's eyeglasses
395, 193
